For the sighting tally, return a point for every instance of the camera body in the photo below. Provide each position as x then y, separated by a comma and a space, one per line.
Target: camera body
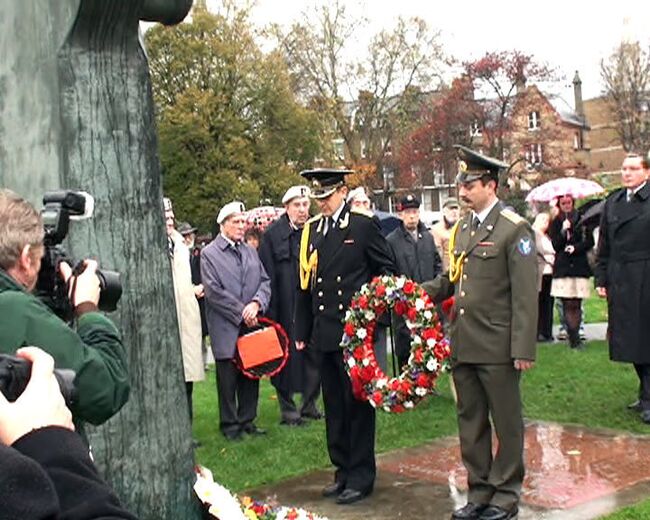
59, 208
15, 373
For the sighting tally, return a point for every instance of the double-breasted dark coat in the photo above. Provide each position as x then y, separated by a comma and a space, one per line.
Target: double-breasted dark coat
279, 254
573, 265
623, 268
350, 254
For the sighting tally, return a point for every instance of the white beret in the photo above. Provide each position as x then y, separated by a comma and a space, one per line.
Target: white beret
230, 209
295, 191
357, 192
167, 204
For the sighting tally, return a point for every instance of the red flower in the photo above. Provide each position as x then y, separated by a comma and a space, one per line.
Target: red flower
363, 302
358, 354
349, 329
400, 308
398, 408
377, 397
380, 291
448, 305
394, 385
409, 287
418, 355
412, 314
367, 374
423, 380
405, 387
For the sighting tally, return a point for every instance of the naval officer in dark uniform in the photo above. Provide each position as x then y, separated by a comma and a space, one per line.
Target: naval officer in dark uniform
493, 277
340, 250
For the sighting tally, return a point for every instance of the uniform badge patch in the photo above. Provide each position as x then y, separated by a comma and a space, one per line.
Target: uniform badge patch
525, 246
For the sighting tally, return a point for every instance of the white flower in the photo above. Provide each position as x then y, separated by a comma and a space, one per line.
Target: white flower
428, 315
381, 383
365, 362
431, 342
421, 391
389, 292
348, 315
399, 283
432, 365
419, 304
370, 315
362, 333
386, 408
351, 362
417, 340
408, 404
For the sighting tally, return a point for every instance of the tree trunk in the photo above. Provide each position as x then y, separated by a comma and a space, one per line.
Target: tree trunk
75, 85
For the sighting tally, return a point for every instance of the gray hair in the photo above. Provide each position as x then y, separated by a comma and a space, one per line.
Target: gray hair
20, 225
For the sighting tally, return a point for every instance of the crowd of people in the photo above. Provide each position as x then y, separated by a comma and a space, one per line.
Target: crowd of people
302, 272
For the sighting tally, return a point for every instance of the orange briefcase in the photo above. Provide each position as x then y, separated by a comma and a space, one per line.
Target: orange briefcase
259, 347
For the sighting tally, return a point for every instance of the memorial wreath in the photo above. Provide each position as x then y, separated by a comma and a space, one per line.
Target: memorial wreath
429, 348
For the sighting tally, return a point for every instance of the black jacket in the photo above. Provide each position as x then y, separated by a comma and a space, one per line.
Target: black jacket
573, 265
349, 255
419, 260
623, 267
47, 474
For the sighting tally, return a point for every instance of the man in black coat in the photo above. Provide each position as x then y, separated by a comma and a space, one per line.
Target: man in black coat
279, 252
416, 257
340, 250
623, 273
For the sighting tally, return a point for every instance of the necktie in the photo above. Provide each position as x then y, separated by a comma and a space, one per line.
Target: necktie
237, 250
329, 223
475, 223
170, 246
630, 195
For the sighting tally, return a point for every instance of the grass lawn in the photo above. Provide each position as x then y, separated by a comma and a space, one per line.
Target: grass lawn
566, 386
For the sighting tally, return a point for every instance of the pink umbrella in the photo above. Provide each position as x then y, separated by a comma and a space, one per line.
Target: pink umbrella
262, 216
574, 186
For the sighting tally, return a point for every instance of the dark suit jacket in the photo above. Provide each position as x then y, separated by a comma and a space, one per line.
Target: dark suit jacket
623, 267
419, 260
351, 254
576, 264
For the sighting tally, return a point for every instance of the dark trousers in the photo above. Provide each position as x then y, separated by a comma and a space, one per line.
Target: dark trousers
545, 305
310, 358
643, 371
350, 427
189, 387
238, 397
486, 391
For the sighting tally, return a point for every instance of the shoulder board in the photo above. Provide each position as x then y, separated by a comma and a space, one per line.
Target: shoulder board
512, 216
315, 218
365, 213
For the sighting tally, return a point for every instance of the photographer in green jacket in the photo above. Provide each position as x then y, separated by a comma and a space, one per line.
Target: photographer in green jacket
94, 350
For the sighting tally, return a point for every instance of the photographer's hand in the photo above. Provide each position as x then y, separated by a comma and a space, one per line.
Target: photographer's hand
86, 288
40, 405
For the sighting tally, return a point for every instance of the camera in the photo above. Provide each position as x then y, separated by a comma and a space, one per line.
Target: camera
59, 208
15, 373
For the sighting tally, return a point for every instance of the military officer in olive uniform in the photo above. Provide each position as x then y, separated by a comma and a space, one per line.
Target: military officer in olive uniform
493, 276
340, 250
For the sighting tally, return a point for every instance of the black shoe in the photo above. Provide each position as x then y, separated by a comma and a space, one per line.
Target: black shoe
235, 435
469, 511
251, 429
333, 489
645, 416
314, 416
297, 421
498, 513
635, 406
350, 496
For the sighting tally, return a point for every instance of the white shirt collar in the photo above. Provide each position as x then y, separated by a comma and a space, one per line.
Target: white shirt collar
635, 190
337, 213
230, 242
483, 214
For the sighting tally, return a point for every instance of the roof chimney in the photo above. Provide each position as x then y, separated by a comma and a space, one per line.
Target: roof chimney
577, 94
520, 83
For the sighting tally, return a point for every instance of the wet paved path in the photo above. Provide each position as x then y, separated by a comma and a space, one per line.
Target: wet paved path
572, 474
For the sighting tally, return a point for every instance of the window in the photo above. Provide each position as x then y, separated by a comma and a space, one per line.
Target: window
339, 148
533, 155
577, 140
364, 149
475, 129
387, 146
533, 120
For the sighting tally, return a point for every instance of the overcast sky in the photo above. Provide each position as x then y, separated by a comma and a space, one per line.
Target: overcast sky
568, 34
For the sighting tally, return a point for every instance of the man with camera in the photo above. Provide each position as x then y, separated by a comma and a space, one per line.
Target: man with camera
45, 469
93, 351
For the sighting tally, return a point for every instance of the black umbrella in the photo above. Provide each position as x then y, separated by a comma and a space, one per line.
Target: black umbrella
590, 212
387, 221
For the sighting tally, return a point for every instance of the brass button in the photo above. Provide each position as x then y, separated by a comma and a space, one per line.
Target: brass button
340, 306
319, 280
464, 277
320, 294
462, 311
465, 261
340, 292
321, 308
338, 278
462, 294
484, 253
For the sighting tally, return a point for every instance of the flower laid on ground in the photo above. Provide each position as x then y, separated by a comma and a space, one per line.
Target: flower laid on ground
223, 505
429, 348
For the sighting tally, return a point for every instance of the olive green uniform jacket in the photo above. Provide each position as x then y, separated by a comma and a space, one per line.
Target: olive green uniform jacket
94, 351
496, 295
